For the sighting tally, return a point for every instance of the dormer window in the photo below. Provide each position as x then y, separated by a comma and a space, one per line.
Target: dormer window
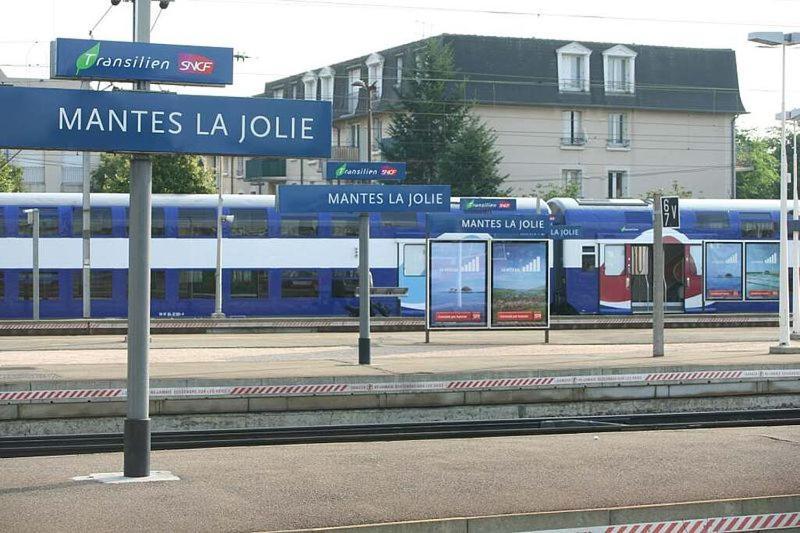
326, 76
573, 68
619, 69
310, 86
375, 73
277, 94
353, 75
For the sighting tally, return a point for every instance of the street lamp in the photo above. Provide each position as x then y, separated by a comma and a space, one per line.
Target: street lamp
771, 39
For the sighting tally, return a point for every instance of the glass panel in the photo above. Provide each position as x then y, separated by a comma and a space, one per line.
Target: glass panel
458, 284
712, 220
158, 284
614, 260
757, 225
762, 271
414, 260
48, 222
2, 285
399, 220
588, 259
249, 223
48, 285
197, 222
344, 225
101, 284
196, 284
249, 284
298, 227
299, 284
158, 225
723, 271
344, 283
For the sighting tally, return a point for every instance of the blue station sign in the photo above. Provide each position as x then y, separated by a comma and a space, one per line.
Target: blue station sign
362, 171
132, 121
488, 204
362, 198
494, 224
84, 59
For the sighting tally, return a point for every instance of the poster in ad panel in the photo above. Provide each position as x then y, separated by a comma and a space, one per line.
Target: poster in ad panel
458, 284
519, 284
723, 271
761, 271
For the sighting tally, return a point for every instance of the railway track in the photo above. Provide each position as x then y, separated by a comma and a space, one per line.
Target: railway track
28, 446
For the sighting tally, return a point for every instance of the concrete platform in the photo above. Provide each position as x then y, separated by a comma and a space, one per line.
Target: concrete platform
289, 487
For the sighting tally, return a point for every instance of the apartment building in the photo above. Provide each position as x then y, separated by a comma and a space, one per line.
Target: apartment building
48, 170
615, 119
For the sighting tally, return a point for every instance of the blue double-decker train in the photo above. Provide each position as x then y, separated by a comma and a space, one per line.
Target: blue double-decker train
722, 259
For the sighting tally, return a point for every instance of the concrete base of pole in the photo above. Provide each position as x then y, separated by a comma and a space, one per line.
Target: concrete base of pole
136, 438
115, 478
364, 355
785, 350
217, 315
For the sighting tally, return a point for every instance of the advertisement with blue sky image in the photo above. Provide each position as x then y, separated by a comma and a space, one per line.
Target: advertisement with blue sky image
458, 284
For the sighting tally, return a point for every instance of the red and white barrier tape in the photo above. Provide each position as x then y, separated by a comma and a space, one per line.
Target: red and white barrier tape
418, 386
758, 522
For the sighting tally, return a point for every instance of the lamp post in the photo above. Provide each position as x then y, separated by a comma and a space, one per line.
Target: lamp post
794, 117
772, 39
218, 272
364, 349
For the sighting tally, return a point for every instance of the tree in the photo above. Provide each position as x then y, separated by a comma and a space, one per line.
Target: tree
10, 177
571, 189
176, 174
758, 155
675, 190
432, 126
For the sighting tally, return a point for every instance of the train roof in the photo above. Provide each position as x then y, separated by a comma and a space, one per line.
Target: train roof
686, 204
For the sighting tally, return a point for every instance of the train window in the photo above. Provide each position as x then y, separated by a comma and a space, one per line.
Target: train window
101, 284
2, 285
249, 223
48, 222
399, 220
158, 284
102, 223
345, 282
761, 271
2, 223
249, 284
614, 259
196, 284
197, 222
298, 227
299, 284
588, 259
723, 274
48, 285
757, 225
712, 220
414, 260
344, 225
158, 227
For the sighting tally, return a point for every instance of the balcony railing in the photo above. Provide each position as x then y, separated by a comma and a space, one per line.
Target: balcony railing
619, 143
344, 153
573, 141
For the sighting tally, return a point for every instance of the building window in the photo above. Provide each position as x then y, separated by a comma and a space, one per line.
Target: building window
310, 86
48, 222
249, 284
101, 284
345, 282
588, 258
294, 91
344, 225
573, 68
355, 135
298, 227
618, 130
239, 167
32, 163
377, 134
375, 73
573, 178
196, 284
619, 70
618, 184
48, 285
299, 284
278, 94
573, 134
353, 75
249, 223
326, 77
197, 222
399, 72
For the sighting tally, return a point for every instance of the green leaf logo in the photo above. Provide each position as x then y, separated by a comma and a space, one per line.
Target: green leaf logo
470, 204
341, 170
87, 59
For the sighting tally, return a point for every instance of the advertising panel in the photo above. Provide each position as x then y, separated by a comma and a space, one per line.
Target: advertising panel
762, 271
132, 121
361, 171
520, 296
85, 59
457, 285
723, 271
363, 198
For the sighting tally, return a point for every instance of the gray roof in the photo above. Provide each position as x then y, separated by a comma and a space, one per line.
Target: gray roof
524, 71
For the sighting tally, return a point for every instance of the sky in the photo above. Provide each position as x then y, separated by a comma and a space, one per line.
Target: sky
284, 37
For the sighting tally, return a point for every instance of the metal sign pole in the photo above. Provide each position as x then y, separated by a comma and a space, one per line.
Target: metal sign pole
218, 272
86, 233
364, 355
34, 215
658, 276
137, 422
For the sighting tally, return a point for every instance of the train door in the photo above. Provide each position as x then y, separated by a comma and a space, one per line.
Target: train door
674, 288
615, 281
641, 261
693, 273
411, 271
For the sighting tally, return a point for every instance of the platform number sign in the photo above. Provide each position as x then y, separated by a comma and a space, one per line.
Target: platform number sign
670, 214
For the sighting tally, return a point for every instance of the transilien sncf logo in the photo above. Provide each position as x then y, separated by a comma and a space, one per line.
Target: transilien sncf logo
87, 59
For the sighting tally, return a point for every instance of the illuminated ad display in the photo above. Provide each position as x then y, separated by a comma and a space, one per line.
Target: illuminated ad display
458, 282
519, 284
761, 271
723, 271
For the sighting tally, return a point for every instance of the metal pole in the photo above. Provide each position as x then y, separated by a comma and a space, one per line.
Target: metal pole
218, 274
658, 277
783, 308
86, 232
35, 281
137, 422
301, 171
364, 348
796, 269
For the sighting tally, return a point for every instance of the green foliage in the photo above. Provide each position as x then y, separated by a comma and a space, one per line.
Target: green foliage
432, 127
760, 154
571, 189
675, 190
172, 174
10, 177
